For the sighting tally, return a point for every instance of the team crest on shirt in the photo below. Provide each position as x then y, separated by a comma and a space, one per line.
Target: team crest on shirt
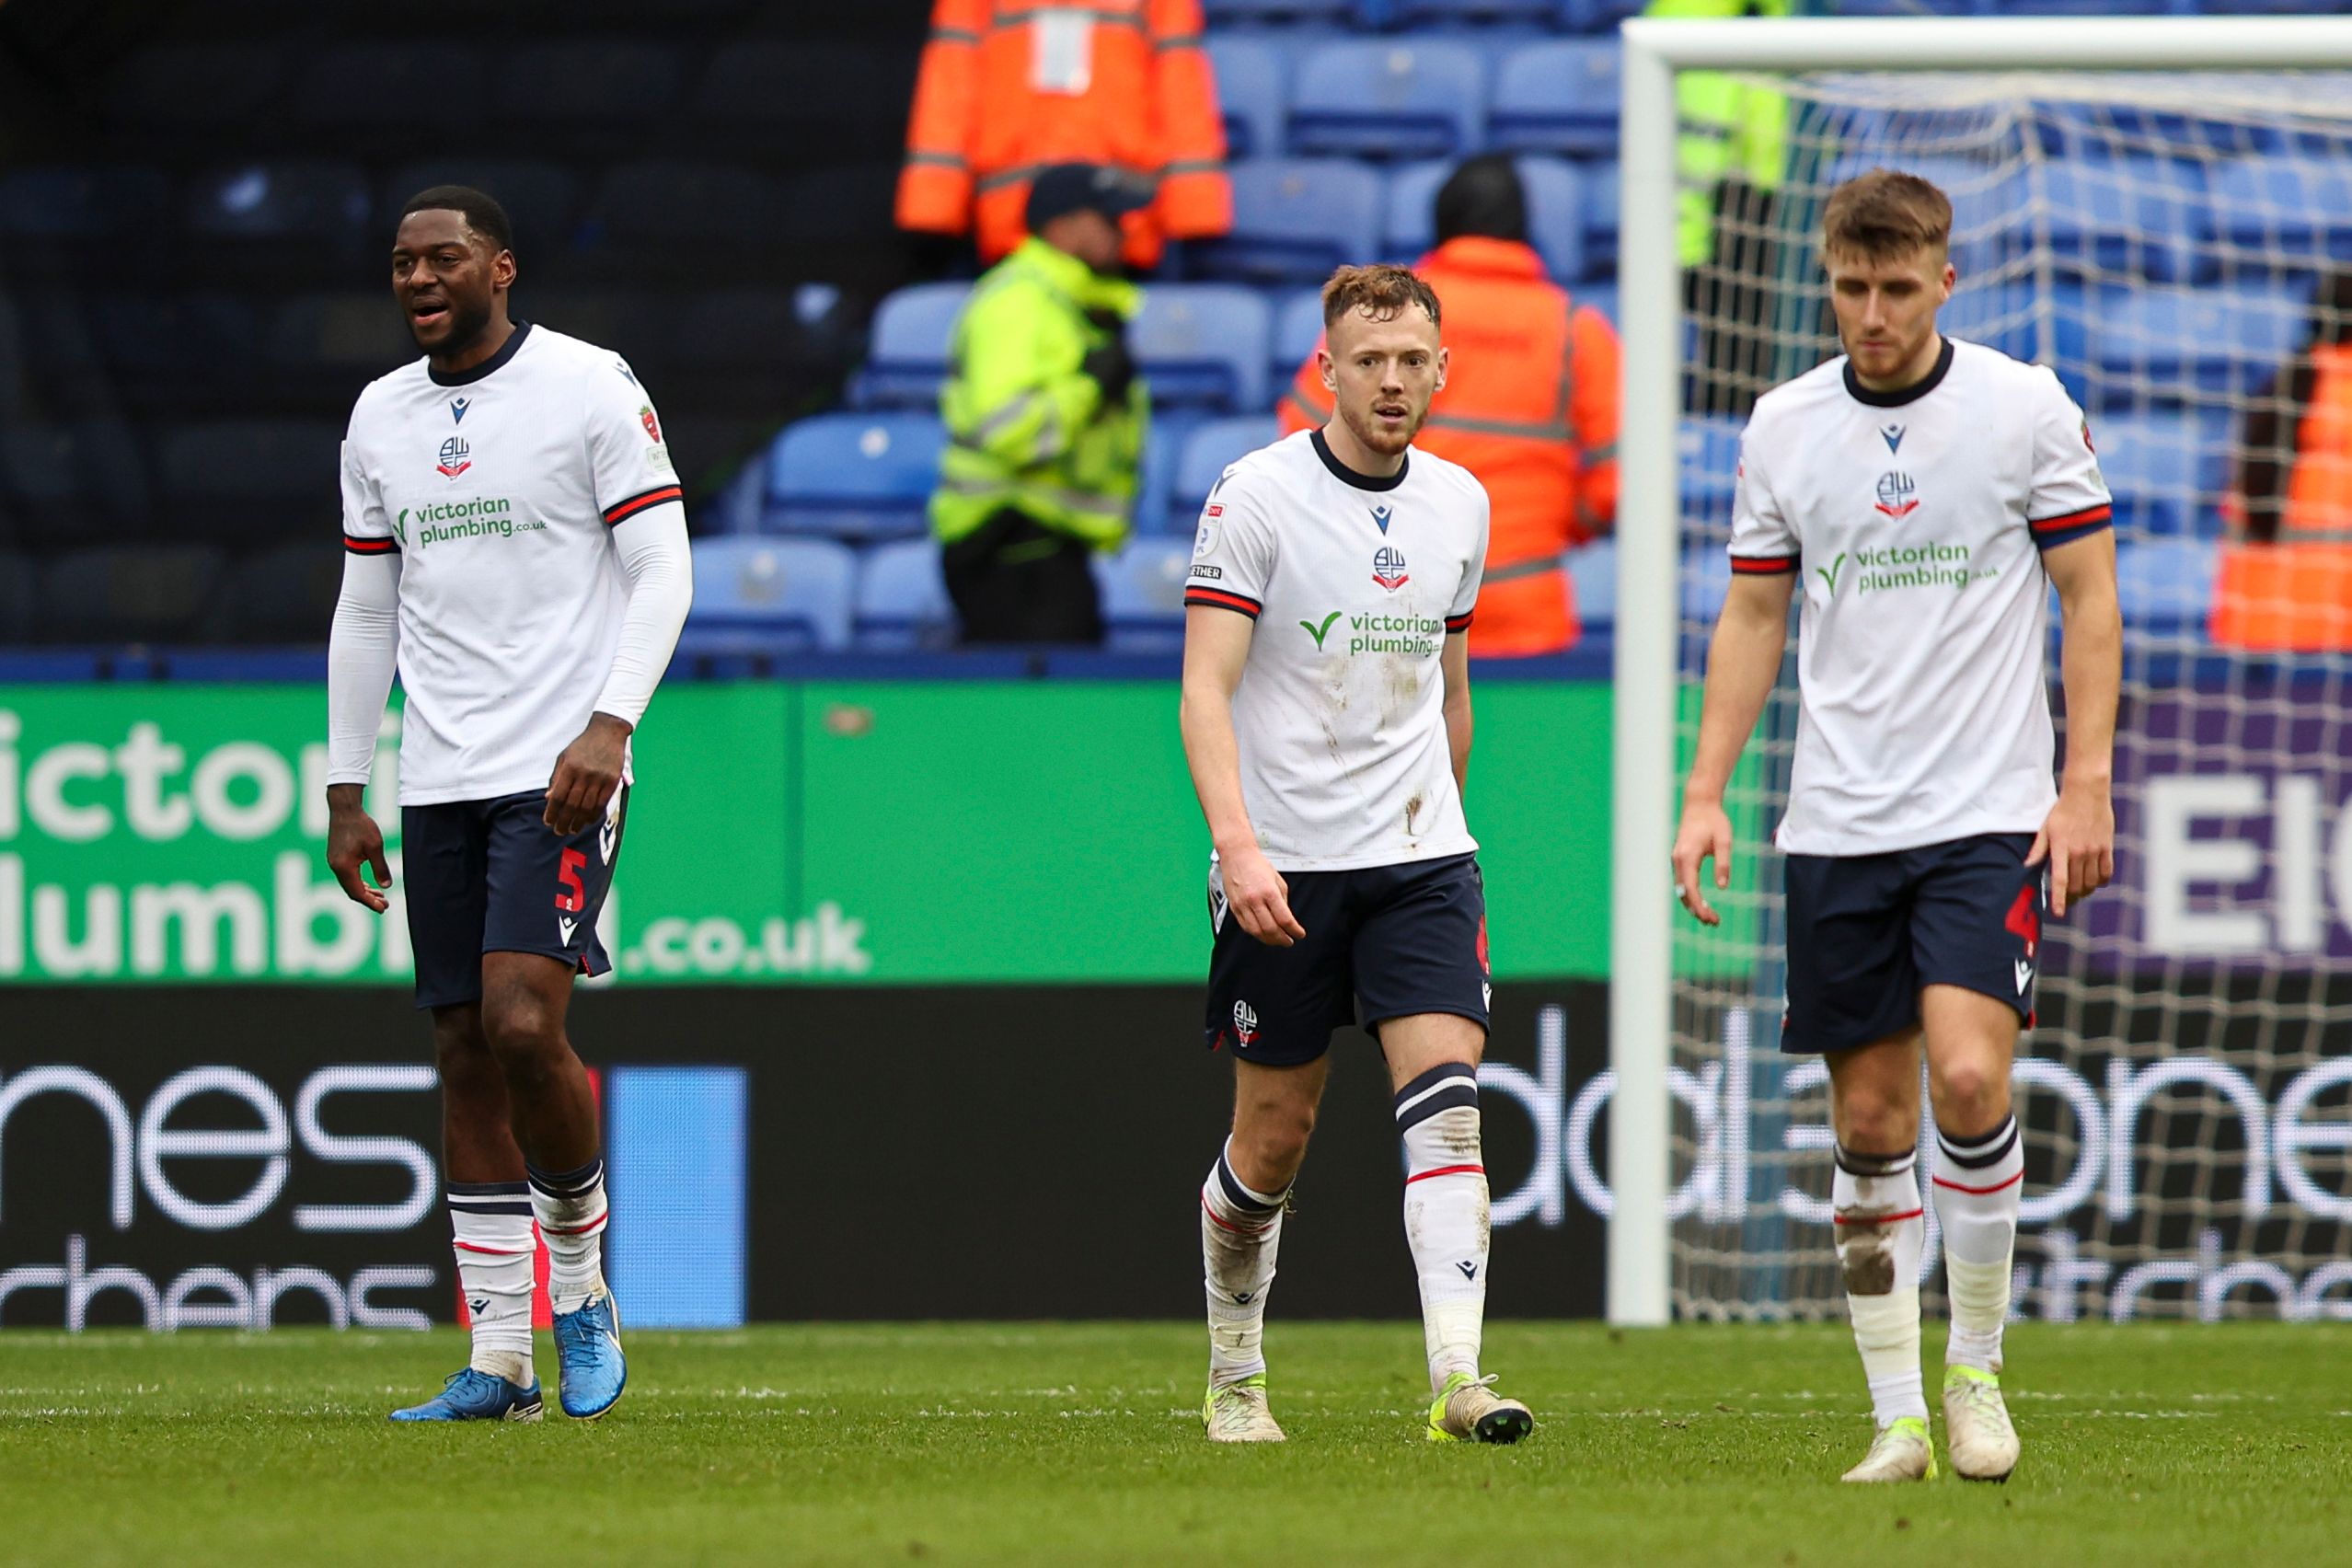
455, 457
1389, 568
1245, 1024
1896, 494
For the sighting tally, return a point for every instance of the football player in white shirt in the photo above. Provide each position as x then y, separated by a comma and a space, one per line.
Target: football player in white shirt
1924, 495
1327, 723
517, 546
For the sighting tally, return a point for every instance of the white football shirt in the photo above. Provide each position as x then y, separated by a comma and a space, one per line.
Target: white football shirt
1918, 519
500, 488
1355, 583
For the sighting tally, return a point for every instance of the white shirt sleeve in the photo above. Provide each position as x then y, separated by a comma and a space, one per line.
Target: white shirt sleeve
363, 646
2069, 497
658, 565
1233, 554
1457, 618
1762, 542
627, 450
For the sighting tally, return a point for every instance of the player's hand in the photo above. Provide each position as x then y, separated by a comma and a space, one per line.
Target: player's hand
1259, 898
2079, 841
353, 840
586, 775
1705, 834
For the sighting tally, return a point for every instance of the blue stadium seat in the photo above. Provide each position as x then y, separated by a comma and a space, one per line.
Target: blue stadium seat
588, 92
2000, 312
1600, 218
77, 483
1708, 453
1706, 581
1387, 100
1414, 15
1592, 570
902, 601
285, 596
2127, 217
542, 198
242, 80
1595, 16
2165, 470
682, 216
907, 356
770, 595
335, 343
1295, 220
259, 481
2275, 215
1555, 211
353, 89
2168, 345
79, 221
1559, 96
1208, 451
1252, 93
1203, 345
152, 593
854, 476
1143, 594
164, 348
273, 202
1298, 327
781, 96
2166, 586
1222, 13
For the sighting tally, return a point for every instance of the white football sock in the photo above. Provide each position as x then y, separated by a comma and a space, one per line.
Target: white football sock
491, 1224
1445, 1216
571, 1210
1881, 1227
1978, 1183
1241, 1229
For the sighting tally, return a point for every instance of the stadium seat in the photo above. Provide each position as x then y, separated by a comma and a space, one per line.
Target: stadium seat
1415, 15
157, 593
908, 356
2166, 586
1143, 594
1253, 84
20, 592
733, 347
149, 92
2002, 312
1706, 581
1203, 345
282, 215
330, 345
1558, 96
902, 601
1708, 453
853, 476
1555, 211
2167, 345
250, 480
1592, 570
676, 219
364, 97
2165, 471
1298, 327
781, 96
1595, 16
770, 595
85, 221
587, 96
2274, 215
72, 484
1387, 100
1207, 453
542, 199
846, 205
2133, 217
1295, 220
1600, 218
284, 595
163, 349
1222, 13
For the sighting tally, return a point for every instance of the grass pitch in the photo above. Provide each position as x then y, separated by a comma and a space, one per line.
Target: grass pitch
956, 1444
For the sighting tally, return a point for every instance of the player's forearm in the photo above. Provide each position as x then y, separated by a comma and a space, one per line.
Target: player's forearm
1743, 664
2090, 664
1214, 757
362, 653
1457, 737
658, 566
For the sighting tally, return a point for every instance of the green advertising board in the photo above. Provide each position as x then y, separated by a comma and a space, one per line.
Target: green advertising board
836, 832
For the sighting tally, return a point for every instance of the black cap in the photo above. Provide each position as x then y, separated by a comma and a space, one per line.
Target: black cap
1484, 198
1062, 189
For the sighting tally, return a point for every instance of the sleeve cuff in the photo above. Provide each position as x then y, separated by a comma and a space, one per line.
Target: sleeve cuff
1220, 599
621, 512
2070, 526
1763, 566
1458, 623
371, 544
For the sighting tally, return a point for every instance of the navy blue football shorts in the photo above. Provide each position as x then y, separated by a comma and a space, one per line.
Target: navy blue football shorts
1382, 943
489, 876
1867, 932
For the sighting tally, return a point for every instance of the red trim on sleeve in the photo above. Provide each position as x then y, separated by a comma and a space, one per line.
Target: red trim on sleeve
1217, 599
1460, 622
362, 544
621, 512
1763, 566
2102, 512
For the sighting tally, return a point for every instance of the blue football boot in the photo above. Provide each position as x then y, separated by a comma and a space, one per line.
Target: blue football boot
590, 1371
478, 1396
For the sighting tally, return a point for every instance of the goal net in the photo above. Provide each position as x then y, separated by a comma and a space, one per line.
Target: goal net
2160, 241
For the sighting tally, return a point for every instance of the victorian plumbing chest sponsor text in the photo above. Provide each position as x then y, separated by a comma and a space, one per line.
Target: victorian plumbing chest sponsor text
143, 858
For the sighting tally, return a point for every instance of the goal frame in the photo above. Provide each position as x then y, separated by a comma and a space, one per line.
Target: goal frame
1649, 529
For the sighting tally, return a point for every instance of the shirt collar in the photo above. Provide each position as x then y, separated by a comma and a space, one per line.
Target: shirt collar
1901, 395
497, 362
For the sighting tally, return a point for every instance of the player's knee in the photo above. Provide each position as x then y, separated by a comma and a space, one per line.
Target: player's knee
1876, 1123
1272, 1141
460, 1052
520, 1028
1970, 1096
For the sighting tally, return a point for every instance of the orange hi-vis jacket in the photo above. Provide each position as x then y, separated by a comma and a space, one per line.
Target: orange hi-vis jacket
2295, 593
1009, 86
1530, 407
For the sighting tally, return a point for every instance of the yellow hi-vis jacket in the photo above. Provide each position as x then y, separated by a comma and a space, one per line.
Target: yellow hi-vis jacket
1027, 428
1729, 126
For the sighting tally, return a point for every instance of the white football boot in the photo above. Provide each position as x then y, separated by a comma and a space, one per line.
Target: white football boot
1901, 1452
1976, 1428
1238, 1413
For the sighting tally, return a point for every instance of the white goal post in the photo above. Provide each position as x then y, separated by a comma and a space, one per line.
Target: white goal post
1652, 628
